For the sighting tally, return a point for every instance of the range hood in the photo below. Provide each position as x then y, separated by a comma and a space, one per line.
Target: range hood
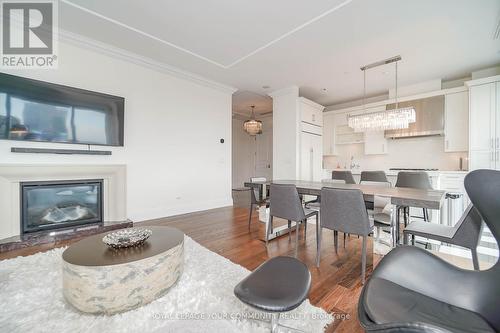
430, 118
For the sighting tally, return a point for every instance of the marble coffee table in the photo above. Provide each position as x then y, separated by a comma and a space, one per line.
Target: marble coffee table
98, 279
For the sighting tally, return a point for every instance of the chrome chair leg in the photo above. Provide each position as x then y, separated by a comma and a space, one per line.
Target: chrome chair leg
289, 230
297, 230
269, 228
336, 241
318, 242
275, 325
275, 317
363, 261
250, 216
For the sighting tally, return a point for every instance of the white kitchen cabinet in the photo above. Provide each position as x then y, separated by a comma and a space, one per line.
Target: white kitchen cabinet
482, 117
375, 143
452, 209
311, 140
311, 156
484, 123
482, 159
497, 123
329, 147
310, 112
456, 122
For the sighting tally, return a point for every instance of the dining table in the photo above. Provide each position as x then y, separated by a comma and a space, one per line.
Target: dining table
398, 196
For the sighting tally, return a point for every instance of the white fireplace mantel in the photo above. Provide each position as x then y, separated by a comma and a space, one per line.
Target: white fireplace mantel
11, 175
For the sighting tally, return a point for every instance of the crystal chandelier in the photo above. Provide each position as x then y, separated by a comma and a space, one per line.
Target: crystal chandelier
253, 126
383, 120
398, 118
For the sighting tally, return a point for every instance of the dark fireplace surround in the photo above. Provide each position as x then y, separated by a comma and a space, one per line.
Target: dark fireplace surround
50, 205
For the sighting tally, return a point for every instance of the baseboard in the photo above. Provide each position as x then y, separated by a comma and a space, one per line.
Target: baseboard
179, 210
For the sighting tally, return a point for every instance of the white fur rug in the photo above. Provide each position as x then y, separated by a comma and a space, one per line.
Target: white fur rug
32, 301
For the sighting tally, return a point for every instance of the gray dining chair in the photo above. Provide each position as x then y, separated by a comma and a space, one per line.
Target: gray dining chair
413, 179
413, 290
381, 214
373, 176
466, 232
344, 210
255, 195
344, 175
284, 202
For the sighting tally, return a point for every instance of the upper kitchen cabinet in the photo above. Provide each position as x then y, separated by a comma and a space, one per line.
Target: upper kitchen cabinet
482, 117
311, 112
456, 122
484, 123
311, 140
375, 143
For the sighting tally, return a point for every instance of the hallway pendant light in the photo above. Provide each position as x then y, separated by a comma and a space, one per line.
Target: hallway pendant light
398, 118
253, 126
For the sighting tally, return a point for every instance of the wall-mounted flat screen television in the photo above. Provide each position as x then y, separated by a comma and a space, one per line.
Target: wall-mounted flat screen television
32, 110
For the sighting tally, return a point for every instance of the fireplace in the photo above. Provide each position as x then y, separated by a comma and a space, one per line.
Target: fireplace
50, 205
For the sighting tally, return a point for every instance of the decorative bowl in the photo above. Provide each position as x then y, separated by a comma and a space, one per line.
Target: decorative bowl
126, 237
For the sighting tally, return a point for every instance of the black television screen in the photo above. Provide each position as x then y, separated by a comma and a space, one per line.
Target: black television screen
32, 110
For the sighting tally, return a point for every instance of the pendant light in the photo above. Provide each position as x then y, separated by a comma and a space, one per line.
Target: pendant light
397, 118
253, 126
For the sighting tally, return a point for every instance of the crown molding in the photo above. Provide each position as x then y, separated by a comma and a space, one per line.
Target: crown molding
285, 91
483, 80
264, 116
106, 49
312, 103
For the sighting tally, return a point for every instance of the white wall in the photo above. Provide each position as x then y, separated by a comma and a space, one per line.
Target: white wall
286, 133
427, 152
243, 154
175, 162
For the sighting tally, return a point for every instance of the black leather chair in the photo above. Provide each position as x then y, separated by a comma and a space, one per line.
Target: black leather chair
279, 285
412, 290
466, 232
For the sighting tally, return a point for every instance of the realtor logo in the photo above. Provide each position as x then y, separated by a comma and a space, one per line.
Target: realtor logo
29, 34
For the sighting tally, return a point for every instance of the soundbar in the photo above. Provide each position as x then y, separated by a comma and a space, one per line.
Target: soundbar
59, 151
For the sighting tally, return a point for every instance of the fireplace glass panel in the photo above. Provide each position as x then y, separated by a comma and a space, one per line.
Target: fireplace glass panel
50, 205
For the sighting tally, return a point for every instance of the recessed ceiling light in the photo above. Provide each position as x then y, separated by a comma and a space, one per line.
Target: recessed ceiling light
265, 87
324, 90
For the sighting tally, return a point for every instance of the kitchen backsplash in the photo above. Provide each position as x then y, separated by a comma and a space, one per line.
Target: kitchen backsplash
427, 152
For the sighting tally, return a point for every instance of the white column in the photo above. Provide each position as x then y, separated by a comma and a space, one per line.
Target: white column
286, 142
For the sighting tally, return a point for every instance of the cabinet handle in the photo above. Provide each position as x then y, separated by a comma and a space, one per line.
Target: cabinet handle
447, 144
492, 143
314, 117
383, 148
498, 143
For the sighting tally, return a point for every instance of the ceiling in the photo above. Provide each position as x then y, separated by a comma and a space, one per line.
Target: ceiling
243, 100
317, 45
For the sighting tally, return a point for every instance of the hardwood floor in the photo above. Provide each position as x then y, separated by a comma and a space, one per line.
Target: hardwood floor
335, 284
